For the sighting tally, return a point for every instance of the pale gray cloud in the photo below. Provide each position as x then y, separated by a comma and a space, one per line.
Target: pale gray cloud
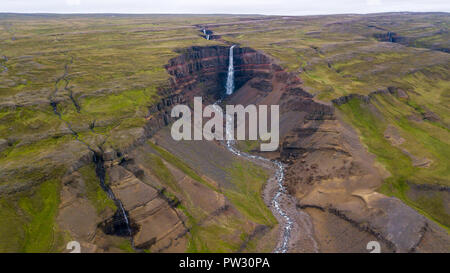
282, 7
73, 2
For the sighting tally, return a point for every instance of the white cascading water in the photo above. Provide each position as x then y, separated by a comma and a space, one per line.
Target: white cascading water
207, 37
118, 203
229, 87
125, 217
279, 174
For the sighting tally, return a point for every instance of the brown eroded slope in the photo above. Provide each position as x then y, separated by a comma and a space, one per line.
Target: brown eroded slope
334, 178
173, 206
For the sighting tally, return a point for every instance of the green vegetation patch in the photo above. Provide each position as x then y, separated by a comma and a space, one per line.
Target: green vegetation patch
225, 232
29, 220
94, 192
249, 180
217, 236
160, 170
421, 139
181, 165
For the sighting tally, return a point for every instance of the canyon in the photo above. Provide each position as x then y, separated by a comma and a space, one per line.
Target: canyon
91, 158
328, 172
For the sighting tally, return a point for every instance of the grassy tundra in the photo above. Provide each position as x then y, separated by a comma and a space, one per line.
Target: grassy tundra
72, 84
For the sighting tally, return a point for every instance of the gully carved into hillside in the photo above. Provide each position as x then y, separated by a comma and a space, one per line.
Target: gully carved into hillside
329, 175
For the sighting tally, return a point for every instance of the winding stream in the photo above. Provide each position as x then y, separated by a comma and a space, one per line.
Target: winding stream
279, 174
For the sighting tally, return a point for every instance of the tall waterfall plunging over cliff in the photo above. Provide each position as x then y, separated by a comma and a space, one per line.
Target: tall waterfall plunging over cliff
279, 174
230, 78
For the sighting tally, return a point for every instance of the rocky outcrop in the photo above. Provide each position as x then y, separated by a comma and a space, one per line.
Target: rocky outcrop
399, 93
390, 37
327, 167
156, 224
159, 223
198, 71
391, 90
393, 37
203, 70
77, 215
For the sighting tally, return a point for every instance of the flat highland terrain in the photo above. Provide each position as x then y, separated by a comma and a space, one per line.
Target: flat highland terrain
85, 106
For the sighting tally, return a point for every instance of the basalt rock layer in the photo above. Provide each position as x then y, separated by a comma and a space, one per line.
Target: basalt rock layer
203, 70
328, 171
332, 175
157, 223
327, 167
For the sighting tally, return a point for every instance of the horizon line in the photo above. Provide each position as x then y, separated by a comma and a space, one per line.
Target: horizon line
213, 14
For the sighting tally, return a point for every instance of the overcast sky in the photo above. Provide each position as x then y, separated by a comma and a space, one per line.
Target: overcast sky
281, 7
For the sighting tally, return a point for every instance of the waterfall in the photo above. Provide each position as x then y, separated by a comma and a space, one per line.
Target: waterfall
204, 31
279, 175
120, 213
207, 37
125, 217
281, 192
229, 87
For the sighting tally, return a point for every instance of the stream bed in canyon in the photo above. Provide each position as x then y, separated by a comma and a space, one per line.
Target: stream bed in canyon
296, 226
279, 198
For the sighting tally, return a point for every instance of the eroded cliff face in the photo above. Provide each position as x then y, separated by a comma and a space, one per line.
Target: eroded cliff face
328, 171
150, 200
203, 70
332, 175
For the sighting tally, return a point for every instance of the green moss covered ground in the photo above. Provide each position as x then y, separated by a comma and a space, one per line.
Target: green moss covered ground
114, 67
247, 181
339, 55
